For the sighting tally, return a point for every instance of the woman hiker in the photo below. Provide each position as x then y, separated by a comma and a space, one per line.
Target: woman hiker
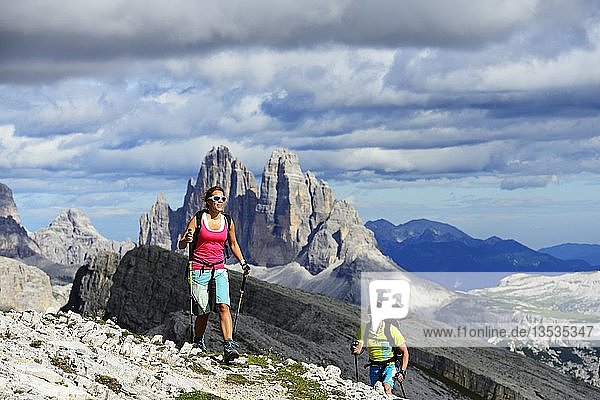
208, 231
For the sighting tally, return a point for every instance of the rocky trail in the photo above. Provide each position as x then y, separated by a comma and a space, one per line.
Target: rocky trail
64, 356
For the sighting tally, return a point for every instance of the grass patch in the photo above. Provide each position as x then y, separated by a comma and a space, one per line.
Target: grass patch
36, 343
198, 396
109, 382
300, 388
199, 369
63, 363
237, 379
337, 394
260, 360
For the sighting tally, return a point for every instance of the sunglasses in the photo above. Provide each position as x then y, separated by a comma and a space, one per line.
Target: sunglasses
218, 199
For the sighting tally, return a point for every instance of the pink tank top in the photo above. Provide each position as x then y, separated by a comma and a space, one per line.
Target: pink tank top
209, 248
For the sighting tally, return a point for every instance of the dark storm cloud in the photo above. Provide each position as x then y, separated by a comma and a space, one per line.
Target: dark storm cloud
73, 32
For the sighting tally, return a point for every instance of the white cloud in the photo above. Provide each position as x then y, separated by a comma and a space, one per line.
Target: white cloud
54, 152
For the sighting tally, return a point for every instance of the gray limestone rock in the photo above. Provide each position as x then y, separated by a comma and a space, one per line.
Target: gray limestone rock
23, 287
148, 285
154, 226
91, 288
8, 208
291, 206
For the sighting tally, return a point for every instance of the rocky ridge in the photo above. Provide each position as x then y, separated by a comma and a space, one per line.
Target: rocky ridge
58, 249
71, 239
66, 356
14, 241
148, 295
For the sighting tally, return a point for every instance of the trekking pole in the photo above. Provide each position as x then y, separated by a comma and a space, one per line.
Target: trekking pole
190, 278
403, 392
242, 288
401, 387
354, 343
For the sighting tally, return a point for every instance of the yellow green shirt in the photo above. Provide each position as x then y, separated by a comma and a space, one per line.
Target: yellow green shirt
378, 346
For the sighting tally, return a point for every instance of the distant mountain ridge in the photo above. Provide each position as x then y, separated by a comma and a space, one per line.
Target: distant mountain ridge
58, 249
575, 251
429, 246
71, 239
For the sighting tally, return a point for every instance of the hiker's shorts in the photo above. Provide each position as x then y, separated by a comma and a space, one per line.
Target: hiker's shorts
383, 373
200, 289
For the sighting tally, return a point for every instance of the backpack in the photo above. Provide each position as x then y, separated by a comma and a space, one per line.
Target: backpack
228, 219
387, 330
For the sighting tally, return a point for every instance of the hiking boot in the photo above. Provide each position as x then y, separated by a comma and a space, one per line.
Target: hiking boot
199, 343
229, 351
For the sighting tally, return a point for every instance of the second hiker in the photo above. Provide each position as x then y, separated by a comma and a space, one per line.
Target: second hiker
207, 232
388, 354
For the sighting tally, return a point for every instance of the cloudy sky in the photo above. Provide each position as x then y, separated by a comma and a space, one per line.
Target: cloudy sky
482, 114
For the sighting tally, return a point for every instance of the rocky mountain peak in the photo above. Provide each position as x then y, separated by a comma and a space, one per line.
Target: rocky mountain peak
74, 221
291, 205
14, 240
162, 226
154, 226
71, 238
8, 208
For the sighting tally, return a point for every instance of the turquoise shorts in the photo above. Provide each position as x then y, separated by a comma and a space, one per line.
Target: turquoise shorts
383, 373
200, 289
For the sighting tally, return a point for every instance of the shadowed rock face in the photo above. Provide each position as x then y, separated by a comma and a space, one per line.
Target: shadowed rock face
91, 286
14, 242
148, 285
291, 207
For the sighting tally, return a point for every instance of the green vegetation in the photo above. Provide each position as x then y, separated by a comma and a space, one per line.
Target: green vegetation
260, 360
109, 382
298, 387
236, 379
36, 343
63, 363
198, 396
199, 369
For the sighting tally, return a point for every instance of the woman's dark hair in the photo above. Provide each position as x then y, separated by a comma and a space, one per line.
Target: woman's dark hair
210, 192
